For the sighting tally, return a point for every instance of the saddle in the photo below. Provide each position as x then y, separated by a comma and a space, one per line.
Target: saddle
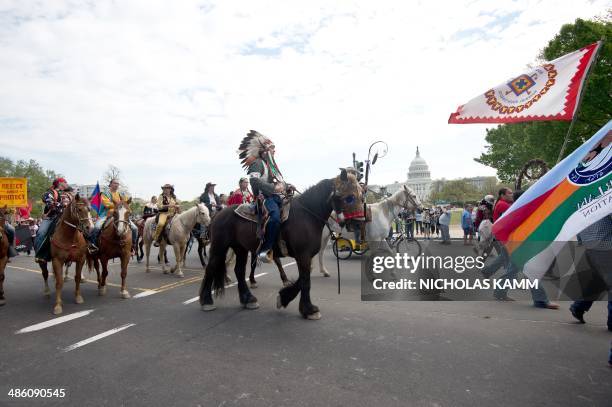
256, 212
249, 211
166, 232
107, 222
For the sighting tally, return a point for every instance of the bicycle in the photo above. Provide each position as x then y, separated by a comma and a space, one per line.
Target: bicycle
402, 243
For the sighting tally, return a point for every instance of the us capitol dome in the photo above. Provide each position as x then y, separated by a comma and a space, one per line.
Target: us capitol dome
419, 179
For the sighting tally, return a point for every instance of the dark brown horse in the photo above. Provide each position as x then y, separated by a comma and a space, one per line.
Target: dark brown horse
279, 266
69, 245
4, 245
115, 241
301, 233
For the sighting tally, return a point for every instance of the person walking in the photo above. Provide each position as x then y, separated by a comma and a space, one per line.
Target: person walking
597, 241
467, 225
444, 220
538, 295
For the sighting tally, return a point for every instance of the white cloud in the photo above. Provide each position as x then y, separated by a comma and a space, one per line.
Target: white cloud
165, 91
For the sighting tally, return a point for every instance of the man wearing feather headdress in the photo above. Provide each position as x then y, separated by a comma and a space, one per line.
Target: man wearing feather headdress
257, 154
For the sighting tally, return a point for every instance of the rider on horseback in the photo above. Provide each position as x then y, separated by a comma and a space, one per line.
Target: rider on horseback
150, 208
242, 194
167, 207
52, 199
110, 199
257, 154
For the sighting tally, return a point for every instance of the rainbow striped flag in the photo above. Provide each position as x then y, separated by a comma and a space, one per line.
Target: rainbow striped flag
576, 193
96, 200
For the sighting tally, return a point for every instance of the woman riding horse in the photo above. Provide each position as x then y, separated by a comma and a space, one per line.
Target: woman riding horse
167, 205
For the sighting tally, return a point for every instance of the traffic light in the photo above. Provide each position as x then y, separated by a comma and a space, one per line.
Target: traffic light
359, 168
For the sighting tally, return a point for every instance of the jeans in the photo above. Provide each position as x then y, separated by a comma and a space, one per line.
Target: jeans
273, 205
445, 233
410, 229
599, 260
41, 235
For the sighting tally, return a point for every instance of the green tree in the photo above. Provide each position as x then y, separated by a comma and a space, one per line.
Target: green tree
510, 146
39, 179
456, 192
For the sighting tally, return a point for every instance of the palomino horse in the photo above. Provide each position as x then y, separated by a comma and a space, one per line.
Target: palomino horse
4, 245
301, 233
179, 235
383, 213
68, 245
115, 241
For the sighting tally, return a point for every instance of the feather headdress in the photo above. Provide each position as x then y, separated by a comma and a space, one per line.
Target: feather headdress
252, 147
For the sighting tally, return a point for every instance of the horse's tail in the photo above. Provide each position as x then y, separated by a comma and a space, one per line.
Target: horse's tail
219, 246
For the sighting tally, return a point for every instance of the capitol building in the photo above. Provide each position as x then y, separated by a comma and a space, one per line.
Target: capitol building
419, 179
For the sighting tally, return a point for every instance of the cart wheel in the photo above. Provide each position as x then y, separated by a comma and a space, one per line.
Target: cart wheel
361, 248
342, 248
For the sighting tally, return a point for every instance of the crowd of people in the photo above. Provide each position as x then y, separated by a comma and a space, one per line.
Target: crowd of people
476, 223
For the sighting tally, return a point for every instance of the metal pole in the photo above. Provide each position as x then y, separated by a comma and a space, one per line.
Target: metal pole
571, 126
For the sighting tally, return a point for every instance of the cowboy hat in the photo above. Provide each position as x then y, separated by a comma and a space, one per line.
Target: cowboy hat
167, 186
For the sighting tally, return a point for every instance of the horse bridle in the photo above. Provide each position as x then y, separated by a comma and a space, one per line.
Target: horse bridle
117, 222
74, 214
410, 200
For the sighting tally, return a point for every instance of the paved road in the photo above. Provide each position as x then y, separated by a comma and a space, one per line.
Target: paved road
158, 350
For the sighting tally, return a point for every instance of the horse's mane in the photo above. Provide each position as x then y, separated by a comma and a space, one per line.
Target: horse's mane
311, 198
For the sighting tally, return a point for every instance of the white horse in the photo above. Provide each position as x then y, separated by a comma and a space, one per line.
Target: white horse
179, 235
383, 214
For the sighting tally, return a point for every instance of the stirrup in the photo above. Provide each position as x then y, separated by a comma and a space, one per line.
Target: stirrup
265, 257
92, 248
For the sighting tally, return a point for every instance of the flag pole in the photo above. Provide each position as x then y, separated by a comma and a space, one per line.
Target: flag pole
586, 78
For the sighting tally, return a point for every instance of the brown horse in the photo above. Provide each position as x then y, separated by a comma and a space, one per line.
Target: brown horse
4, 245
115, 241
69, 245
301, 233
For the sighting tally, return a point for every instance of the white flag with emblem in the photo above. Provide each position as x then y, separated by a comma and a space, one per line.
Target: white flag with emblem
547, 92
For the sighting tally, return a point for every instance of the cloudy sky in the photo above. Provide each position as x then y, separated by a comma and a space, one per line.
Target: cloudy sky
166, 90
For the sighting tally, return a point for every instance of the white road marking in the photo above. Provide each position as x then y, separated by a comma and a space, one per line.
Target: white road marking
289, 264
54, 321
194, 299
97, 337
144, 294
